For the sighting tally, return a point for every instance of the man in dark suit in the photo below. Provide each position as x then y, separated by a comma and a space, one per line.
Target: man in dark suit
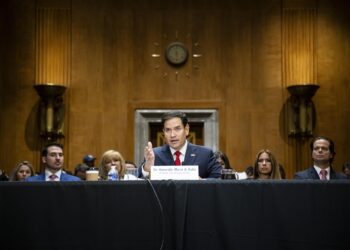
323, 154
52, 157
178, 151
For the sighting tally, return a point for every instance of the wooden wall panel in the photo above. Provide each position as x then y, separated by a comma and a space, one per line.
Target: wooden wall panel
18, 130
332, 100
112, 72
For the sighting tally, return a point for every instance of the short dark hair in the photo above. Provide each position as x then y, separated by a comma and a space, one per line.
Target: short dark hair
175, 114
224, 158
80, 168
346, 165
249, 171
44, 152
331, 145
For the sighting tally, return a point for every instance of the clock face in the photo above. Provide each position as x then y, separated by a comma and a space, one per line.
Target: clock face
176, 53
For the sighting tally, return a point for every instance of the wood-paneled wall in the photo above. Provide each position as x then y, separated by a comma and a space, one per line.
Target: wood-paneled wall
111, 72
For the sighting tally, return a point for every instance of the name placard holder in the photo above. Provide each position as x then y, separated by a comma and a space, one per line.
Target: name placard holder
185, 172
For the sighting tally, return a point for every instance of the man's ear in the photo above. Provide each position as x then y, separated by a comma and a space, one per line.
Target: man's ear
43, 159
187, 129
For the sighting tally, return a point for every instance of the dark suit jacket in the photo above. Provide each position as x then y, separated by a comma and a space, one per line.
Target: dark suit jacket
64, 177
204, 157
312, 174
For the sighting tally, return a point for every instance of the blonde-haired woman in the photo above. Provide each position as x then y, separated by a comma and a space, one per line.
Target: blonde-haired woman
22, 170
113, 159
266, 166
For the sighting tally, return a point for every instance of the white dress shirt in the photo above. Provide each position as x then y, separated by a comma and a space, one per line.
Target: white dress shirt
48, 173
182, 151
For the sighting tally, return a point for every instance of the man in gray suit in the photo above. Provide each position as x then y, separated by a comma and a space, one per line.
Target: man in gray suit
52, 157
178, 151
323, 154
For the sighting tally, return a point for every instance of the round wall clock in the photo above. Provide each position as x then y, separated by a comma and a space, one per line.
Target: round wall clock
176, 53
